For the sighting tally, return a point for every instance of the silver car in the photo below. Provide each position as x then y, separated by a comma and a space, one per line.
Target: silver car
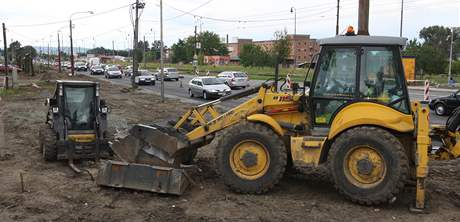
234, 79
170, 74
208, 87
144, 77
112, 72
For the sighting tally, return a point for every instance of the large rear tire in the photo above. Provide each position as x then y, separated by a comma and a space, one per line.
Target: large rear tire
47, 138
250, 158
368, 165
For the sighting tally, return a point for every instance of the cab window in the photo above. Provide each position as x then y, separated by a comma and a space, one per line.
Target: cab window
335, 82
381, 79
337, 73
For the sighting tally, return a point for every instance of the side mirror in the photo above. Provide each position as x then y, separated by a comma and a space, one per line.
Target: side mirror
307, 84
47, 102
312, 65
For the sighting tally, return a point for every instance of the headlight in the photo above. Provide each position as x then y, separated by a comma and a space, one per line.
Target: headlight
55, 109
212, 90
104, 110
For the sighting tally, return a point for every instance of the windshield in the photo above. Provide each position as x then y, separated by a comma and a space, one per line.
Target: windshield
79, 102
144, 73
171, 70
112, 69
97, 67
212, 81
240, 74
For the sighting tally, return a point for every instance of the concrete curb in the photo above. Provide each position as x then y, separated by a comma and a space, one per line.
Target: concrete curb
421, 88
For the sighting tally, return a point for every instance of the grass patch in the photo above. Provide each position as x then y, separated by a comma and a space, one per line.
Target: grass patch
10, 92
258, 73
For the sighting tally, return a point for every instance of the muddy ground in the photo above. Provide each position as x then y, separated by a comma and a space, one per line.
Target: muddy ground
53, 192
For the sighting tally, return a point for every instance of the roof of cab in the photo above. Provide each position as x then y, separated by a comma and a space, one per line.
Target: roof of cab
76, 82
363, 40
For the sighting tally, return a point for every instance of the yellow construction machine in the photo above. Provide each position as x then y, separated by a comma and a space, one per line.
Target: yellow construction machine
354, 115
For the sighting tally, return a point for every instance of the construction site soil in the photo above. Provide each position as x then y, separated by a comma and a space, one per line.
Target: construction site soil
53, 192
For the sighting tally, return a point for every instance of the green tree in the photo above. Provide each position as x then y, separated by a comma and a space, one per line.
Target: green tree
282, 47
429, 59
27, 55
439, 37
211, 45
255, 55
14, 46
179, 52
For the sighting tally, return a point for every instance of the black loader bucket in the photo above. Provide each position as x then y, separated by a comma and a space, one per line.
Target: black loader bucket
151, 157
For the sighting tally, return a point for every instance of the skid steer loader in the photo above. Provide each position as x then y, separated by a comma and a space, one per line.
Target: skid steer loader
76, 123
354, 115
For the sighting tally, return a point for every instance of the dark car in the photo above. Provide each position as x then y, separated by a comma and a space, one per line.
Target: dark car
445, 105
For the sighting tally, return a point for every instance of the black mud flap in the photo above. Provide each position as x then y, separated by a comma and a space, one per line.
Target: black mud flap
143, 177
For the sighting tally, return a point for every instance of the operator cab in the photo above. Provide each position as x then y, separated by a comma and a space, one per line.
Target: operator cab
357, 68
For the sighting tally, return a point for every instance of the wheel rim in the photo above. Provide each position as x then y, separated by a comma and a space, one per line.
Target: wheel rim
440, 109
249, 159
205, 96
364, 166
190, 92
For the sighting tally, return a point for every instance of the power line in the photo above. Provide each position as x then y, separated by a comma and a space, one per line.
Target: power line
65, 21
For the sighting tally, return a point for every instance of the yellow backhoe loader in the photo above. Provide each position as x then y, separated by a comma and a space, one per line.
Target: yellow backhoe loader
354, 115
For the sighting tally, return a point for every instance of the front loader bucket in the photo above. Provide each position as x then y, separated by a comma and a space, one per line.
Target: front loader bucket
157, 179
152, 145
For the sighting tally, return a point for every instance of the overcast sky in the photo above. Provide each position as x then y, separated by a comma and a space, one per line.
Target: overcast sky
37, 22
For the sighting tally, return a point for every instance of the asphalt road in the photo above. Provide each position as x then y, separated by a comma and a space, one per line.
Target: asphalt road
173, 89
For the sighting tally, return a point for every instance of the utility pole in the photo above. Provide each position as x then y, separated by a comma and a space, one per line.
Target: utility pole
143, 55
135, 43
402, 11
195, 57
71, 50
59, 53
5, 54
363, 17
113, 48
295, 34
450, 54
337, 22
162, 54
48, 56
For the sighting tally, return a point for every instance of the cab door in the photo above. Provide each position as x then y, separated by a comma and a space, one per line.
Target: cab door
334, 84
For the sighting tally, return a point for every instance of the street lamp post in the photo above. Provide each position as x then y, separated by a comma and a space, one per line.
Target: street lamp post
293, 10
71, 42
450, 54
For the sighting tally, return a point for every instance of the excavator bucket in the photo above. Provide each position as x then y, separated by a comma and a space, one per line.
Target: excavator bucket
151, 157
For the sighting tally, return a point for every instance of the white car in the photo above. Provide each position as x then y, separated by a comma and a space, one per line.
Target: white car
208, 87
234, 79
144, 77
112, 72
170, 74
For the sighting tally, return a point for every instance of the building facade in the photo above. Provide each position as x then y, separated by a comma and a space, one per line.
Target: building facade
303, 48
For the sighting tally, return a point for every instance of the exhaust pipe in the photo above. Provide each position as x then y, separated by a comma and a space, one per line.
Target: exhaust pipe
363, 17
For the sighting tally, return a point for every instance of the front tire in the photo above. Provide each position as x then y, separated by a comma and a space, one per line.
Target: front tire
369, 165
47, 138
440, 109
251, 158
190, 93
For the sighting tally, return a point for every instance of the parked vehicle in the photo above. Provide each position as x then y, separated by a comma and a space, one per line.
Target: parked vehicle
208, 87
170, 74
10, 68
128, 71
445, 105
94, 62
234, 79
97, 70
145, 77
81, 66
112, 72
